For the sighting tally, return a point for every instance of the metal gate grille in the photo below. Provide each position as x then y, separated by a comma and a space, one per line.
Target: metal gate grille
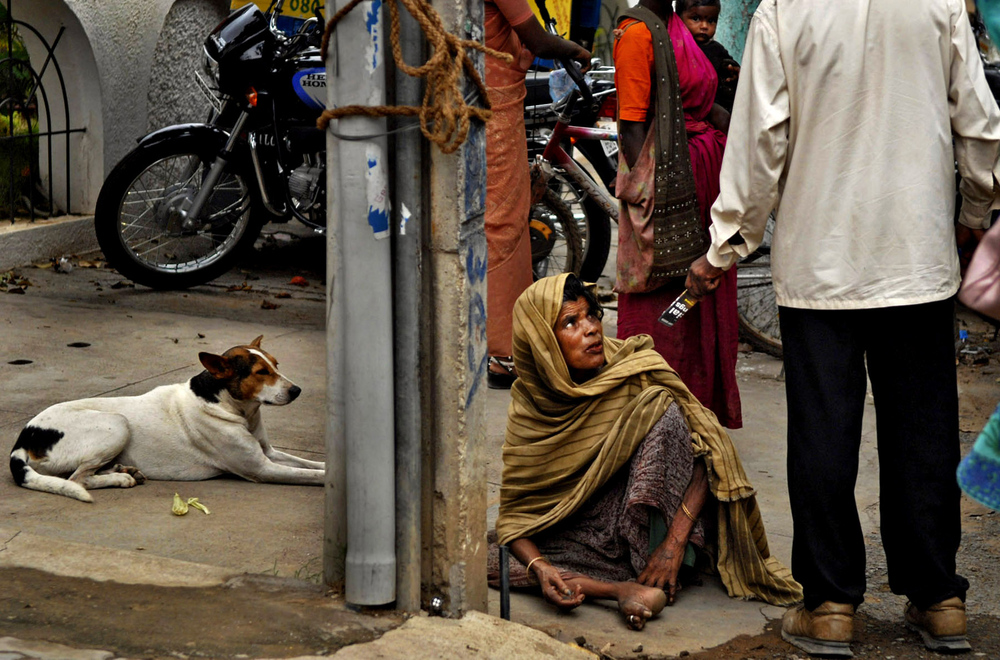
20, 139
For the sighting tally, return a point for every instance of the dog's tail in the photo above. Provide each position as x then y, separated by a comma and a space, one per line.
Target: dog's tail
25, 475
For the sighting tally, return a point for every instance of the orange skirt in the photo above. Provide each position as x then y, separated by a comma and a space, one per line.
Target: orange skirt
508, 204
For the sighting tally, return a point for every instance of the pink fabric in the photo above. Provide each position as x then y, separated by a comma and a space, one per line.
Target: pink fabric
695, 72
703, 345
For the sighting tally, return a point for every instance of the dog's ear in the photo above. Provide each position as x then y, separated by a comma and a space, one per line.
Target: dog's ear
217, 365
256, 342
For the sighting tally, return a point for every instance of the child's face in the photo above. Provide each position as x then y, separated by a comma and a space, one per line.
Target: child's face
702, 22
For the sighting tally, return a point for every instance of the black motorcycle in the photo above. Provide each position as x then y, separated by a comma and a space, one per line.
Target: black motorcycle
189, 201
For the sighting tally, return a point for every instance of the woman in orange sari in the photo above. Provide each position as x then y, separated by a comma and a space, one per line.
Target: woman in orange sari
511, 28
702, 346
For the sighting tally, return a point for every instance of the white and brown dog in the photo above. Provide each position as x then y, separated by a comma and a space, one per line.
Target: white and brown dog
208, 426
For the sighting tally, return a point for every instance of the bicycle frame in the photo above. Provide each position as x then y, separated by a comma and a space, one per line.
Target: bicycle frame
555, 156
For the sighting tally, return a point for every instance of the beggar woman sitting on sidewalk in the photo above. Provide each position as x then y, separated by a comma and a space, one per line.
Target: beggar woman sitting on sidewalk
612, 469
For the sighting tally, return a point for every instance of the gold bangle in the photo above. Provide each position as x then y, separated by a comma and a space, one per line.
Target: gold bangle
528, 569
687, 512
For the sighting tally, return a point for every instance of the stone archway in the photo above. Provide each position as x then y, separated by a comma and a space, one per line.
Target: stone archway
112, 56
73, 66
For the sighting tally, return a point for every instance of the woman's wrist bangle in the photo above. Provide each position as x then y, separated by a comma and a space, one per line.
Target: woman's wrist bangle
687, 512
532, 562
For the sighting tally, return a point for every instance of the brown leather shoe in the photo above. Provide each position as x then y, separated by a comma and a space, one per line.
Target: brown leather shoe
942, 625
825, 631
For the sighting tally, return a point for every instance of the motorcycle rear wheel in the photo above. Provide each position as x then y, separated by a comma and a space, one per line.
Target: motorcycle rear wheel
139, 230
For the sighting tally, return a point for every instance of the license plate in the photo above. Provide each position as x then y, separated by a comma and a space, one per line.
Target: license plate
610, 147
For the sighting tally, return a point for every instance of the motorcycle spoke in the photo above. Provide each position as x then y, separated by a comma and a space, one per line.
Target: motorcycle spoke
152, 231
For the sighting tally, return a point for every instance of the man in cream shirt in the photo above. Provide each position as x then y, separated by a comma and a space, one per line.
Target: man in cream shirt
849, 119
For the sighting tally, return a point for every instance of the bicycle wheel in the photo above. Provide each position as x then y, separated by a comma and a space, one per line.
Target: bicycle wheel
594, 225
755, 302
556, 246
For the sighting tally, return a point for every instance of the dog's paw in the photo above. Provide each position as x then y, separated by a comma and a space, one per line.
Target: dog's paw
133, 472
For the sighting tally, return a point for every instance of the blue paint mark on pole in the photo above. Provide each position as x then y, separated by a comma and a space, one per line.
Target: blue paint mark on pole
377, 192
477, 334
475, 267
372, 25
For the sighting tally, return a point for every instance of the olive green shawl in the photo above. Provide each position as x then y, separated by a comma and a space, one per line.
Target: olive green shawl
565, 440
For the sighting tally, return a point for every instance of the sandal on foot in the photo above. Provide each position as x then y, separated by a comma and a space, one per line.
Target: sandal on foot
496, 380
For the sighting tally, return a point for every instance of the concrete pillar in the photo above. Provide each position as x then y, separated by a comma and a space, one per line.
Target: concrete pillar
455, 518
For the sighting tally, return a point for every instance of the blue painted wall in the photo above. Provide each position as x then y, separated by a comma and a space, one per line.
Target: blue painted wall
733, 24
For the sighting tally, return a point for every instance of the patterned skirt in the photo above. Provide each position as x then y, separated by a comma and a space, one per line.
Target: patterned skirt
609, 537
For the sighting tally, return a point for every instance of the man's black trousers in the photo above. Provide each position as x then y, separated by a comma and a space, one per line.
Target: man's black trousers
910, 354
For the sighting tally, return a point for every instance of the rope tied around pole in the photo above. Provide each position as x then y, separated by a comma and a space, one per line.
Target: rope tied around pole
444, 114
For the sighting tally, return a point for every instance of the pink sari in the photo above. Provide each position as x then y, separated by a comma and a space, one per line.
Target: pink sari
702, 346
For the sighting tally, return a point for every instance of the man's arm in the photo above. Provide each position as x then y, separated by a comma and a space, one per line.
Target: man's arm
975, 125
755, 154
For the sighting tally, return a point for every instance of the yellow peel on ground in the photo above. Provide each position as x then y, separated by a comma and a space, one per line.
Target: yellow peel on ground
193, 501
180, 507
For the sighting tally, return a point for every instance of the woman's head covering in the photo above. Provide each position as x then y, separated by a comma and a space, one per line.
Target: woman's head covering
565, 440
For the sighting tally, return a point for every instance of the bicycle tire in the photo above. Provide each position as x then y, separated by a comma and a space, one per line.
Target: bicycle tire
556, 245
755, 301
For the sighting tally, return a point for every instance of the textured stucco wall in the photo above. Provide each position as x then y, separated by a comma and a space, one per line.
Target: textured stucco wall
173, 97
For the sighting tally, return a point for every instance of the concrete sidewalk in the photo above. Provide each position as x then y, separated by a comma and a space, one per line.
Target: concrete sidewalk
87, 333
129, 536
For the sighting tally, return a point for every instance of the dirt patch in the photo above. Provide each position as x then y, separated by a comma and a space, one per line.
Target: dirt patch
872, 639
978, 358
249, 617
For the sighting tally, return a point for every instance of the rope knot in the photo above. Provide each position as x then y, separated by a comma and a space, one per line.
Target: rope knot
444, 113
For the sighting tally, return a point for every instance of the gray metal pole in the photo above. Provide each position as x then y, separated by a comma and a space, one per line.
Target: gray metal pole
359, 239
411, 327
335, 500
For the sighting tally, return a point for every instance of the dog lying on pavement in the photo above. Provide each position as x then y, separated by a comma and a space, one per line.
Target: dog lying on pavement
208, 426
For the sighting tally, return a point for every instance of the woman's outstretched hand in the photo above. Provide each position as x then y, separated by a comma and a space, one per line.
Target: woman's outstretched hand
554, 589
663, 567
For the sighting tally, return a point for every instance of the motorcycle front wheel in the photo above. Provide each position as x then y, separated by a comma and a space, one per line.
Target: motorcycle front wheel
143, 235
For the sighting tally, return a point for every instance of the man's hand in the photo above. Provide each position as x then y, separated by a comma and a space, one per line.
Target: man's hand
703, 278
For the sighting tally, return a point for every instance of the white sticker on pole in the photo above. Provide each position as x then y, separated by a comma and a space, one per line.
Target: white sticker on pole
377, 191
373, 23
404, 219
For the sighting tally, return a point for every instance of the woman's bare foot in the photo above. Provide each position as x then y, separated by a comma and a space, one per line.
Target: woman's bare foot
637, 603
